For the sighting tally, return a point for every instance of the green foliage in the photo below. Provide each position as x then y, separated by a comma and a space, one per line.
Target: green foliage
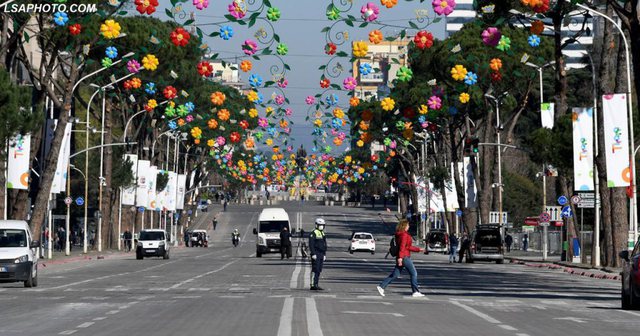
439, 176
16, 111
122, 175
161, 181
522, 196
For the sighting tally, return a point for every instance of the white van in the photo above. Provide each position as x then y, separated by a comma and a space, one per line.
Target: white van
18, 253
270, 223
153, 243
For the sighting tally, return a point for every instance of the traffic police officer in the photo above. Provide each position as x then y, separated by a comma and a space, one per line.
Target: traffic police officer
318, 249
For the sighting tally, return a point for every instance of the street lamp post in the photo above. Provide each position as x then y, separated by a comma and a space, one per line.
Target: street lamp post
498, 101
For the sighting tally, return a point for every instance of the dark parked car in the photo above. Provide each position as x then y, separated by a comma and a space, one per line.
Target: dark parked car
437, 241
487, 244
631, 278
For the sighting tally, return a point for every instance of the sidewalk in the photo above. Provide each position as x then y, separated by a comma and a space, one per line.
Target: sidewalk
77, 255
534, 259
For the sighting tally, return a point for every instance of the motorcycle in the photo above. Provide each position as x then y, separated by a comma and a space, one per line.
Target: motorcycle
235, 239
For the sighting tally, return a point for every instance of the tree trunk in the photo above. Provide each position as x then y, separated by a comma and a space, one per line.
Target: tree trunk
485, 178
561, 83
108, 231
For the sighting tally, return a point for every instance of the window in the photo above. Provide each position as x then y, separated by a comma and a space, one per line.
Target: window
151, 235
273, 226
13, 238
363, 236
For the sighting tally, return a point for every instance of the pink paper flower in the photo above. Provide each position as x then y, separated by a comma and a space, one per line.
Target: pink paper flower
201, 4
443, 7
310, 100
370, 12
189, 118
491, 36
263, 122
342, 136
236, 11
133, 66
221, 141
393, 144
288, 112
249, 47
434, 103
279, 99
283, 83
349, 83
334, 132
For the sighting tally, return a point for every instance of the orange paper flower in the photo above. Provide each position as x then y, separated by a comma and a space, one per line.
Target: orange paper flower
246, 65
212, 123
354, 101
224, 114
375, 36
537, 27
389, 3
217, 98
495, 64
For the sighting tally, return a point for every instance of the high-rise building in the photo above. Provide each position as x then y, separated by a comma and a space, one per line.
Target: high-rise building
385, 58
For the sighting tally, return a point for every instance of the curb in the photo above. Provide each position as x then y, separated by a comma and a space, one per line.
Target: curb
567, 269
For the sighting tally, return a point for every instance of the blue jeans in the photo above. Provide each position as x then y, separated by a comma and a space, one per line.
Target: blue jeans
452, 253
408, 264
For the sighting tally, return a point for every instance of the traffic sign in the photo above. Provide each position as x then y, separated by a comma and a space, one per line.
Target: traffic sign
79, 201
562, 200
575, 199
566, 212
68, 200
545, 217
587, 200
459, 213
544, 224
141, 209
531, 221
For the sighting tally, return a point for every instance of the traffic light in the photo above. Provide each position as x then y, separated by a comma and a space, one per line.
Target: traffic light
467, 146
474, 144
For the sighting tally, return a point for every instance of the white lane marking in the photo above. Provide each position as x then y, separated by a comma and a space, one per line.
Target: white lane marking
409, 297
293, 283
371, 313
629, 312
232, 296
286, 318
372, 297
86, 325
241, 289
67, 332
572, 319
201, 275
507, 327
99, 318
279, 296
331, 296
367, 302
477, 313
199, 289
112, 312
522, 334
313, 318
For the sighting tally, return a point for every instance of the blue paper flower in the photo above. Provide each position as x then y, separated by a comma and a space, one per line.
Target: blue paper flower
150, 88
111, 52
336, 123
226, 32
271, 131
365, 68
60, 18
190, 106
332, 99
470, 78
172, 125
255, 80
260, 98
534, 40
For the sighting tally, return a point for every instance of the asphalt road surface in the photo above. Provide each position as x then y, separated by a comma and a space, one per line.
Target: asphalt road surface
222, 290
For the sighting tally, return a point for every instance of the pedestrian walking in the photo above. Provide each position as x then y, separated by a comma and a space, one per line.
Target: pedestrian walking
285, 243
318, 250
525, 242
508, 240
403, 260
373, 201
224, 205
215, 221
453, 246
464, 248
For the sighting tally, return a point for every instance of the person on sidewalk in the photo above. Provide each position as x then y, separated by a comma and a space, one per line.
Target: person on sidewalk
215, 222
465, 245
285, 243
508, 240
318, 250
453, 246
525, 242
403, 260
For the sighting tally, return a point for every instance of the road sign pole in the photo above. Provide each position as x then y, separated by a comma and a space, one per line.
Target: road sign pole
545, 231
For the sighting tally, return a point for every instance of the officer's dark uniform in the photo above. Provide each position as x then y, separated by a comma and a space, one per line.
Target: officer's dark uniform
317, 247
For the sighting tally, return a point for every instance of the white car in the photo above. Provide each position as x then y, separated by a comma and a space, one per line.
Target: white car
18, 253
153, 243
362, 241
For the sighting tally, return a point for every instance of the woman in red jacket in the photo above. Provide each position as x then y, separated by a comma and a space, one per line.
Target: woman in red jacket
403, 260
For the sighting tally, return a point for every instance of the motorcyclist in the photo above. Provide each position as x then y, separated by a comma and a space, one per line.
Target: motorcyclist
318, 249
235, 237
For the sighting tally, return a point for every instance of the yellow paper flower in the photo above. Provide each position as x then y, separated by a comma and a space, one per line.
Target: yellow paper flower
355, 101
464, 97
172, 104
152, 103
388, 104
110, 29
317, 122
268, 110
150, 62
196, 132
360, 49
274, 157
360, 143
211, 142
252, 96
253, 113
338, 113
424, 109
458, 72
269, 142
347, 159
361, 170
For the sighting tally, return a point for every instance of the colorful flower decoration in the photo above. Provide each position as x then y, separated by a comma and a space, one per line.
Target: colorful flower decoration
201, 4
196, 132
236, 10
542, 7
310, 100
349, 83
224, 114
60, 18
249, 47
235, 137
375, 36
387, 104
226, 32
324, 83
458, 72
244, 124
423, 40
491, 36
495, 64
150, 62
111, 52
369, 12
443, 7
360, 49
172, 125
255, 80
279, 99
221, 141
330, 48
389, 3
150, 88
423, 109
190, 106
471, 78
333, 13
253, 113
170, 92
133, 66
180, 37
365, 68
217, 98
263, 122
75, 29
205, 69
283, 83
282, 49
534, 40
434, 102
146, 6
106, 62
273, 14
212, 124
504, 44
110, 29
136, 83
246, 66
496, 76
404, 74
537, 27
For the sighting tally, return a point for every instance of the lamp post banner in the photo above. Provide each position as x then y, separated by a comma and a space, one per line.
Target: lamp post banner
182, 180
129, 194
583, 148
60, 178
616, 139
152, 176
141, 188
546, 114
18, 169
469, 183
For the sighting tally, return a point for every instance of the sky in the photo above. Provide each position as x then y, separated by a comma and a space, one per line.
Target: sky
300, 28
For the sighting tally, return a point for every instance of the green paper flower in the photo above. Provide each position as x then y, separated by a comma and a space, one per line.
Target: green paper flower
170, 112
333, 13
327, 149
387, 141
259, 135
399, 125
106, 62
504, 44
404, 74
273, 14
182, 111
282, 49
